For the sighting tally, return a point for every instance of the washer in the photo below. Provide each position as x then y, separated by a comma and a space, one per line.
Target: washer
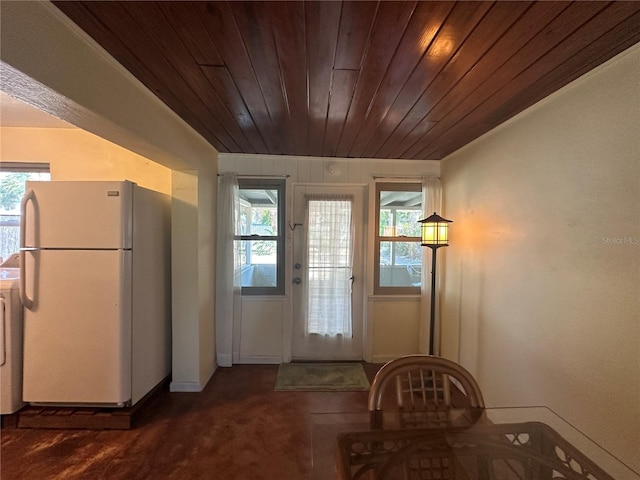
11, 328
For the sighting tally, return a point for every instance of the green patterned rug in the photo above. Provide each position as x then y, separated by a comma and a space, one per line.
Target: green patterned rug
321, 377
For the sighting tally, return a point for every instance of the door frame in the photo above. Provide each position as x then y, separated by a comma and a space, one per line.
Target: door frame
360, 250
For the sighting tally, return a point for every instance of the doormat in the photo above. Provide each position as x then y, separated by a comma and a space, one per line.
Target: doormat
321, 377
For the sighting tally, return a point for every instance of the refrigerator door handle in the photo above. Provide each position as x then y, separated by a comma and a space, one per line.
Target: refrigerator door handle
3, 350
26, 301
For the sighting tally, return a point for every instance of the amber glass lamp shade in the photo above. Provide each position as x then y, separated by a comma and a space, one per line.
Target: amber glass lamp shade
435, 231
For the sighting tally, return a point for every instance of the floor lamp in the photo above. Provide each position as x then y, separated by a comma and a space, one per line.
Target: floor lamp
435, 234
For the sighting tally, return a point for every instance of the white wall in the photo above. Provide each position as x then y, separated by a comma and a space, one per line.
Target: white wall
542, 291
391, 324
49, 63
74, 154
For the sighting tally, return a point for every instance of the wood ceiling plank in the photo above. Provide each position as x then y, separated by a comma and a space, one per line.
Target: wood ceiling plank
219, 21
551, 51
623, 36
278, 93
415, 135
154, 19
342, 86
390, 24
234, 111
356, 22
189, 27
426, 21
135, 51
570, 19
525, 28
286, 17
562, 64
575, 57
224, 101
322, 23
480, 41
254, 26
355, 27
452, 32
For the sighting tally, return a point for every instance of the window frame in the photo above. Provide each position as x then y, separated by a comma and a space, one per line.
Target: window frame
378, 239
31, 167
18, 167
280, 186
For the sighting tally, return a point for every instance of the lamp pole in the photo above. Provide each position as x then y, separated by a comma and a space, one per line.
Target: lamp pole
435, 234
432, 307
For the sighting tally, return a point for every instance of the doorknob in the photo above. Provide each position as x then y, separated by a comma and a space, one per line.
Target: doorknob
297, 280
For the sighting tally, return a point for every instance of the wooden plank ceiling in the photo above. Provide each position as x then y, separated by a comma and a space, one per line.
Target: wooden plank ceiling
388, 79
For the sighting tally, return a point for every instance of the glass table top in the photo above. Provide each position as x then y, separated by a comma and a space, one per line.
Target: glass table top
352, 428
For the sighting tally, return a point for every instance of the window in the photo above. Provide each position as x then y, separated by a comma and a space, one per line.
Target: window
12, 184
398, 254
261, 236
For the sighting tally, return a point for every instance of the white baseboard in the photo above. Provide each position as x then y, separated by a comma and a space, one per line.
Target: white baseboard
185, 387
208, 375
261, 360
193, 386
384, 358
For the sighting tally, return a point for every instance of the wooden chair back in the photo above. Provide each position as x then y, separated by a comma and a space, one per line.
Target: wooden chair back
426, 389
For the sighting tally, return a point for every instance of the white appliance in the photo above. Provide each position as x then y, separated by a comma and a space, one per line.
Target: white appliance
95, 285
10, 342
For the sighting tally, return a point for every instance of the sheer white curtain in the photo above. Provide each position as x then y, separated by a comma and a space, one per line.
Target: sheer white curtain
329, 260
228, 290
431, 202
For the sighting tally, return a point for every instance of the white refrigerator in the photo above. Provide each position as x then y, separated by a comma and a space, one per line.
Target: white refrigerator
95, 284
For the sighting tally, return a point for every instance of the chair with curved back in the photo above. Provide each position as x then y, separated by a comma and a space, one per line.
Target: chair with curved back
427, 388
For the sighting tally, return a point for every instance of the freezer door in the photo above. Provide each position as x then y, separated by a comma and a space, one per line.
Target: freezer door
77, 215
77, 338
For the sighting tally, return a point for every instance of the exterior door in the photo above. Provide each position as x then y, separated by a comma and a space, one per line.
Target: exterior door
328, 273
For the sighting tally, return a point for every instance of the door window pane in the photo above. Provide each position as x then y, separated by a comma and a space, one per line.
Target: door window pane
329, 259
